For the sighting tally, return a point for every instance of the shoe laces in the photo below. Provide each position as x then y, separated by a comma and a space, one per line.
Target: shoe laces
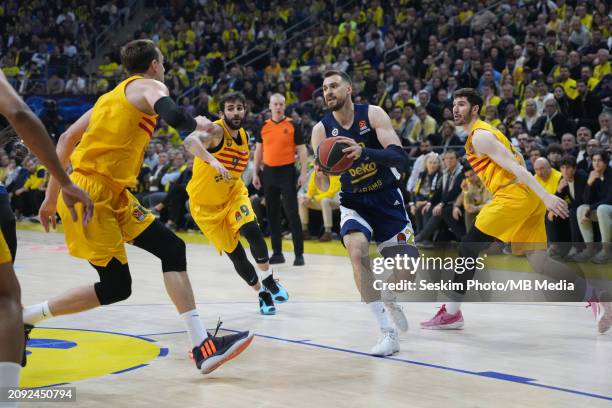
273, 286
219, 323
441, 311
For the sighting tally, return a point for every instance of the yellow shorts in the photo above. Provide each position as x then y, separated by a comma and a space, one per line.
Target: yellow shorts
118, 217
5, 252
515, 214
221, 224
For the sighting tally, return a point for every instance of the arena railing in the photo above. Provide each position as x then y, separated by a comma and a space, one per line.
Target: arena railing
105, 36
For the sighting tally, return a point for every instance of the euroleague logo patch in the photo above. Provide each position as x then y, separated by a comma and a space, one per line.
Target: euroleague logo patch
401, 238
334, 132
363, 127
238, 216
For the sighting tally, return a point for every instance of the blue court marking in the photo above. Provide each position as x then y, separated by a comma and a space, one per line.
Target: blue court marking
489, 374
130, 369
51, 343
99, 331
163, 352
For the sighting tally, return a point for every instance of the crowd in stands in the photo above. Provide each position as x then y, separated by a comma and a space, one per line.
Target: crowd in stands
543, 68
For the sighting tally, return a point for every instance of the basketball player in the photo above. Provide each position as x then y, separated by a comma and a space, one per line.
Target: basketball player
219, 201
371, 205
515, 214
30, 128
106, 148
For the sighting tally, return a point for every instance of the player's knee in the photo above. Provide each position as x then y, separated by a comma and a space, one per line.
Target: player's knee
174, 255
256, 241
245, 269
115, 283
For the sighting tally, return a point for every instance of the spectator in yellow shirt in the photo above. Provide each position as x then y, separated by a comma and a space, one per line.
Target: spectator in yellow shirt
546, 175
108, 68
325, 201
603, 66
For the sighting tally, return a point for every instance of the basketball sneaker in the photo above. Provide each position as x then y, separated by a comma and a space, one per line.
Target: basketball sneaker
277, 259
27, 329
444, 320
398, 316
603, 315
278, 292
215, 351
266, 304
387, 344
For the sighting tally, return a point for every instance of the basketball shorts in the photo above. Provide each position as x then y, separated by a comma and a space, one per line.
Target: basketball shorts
381, 216
221, 223
5, 253
516, 215
118, 218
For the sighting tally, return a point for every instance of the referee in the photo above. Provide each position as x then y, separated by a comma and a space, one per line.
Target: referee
277, 143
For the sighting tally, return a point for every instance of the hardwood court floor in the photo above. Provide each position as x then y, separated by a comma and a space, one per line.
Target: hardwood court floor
313, 352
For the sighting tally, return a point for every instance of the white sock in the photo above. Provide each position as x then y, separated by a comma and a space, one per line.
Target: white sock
379, 312
453, 307
9, 377
194, 327
36, 313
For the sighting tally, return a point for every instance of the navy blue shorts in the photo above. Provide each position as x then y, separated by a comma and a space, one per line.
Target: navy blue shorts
381, 216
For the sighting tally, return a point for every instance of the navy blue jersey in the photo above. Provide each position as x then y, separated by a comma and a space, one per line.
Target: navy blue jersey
364, 176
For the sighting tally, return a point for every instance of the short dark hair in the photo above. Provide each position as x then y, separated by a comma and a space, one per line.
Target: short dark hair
345, 77
605, 156
568, 160
232, 97
471, 95
554, 148
137, 55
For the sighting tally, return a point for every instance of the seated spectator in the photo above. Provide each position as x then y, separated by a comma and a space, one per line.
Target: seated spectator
583, 135
552, 124
554, 153
55, 85
410, 122
430, 177
439, 210
604, 135
165, 132
173, 208
28, 198
597, 207
397, 119
566, 231
325, 201
75, 85
473, 196
585, 109
449, 139
426, 126
531, 114
491, 116
547, 176
586, 164
568, 144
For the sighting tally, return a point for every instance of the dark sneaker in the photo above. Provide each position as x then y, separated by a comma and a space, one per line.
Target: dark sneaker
299, 260
277, 259
278, 292
266, 304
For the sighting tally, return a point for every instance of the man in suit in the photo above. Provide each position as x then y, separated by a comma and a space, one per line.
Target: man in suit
552, 124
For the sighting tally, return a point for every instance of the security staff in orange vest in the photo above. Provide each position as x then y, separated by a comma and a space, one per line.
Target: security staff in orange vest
277, 143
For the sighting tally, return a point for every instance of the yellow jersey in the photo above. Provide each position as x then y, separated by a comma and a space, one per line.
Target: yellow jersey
492, 175
115, 140
207, 187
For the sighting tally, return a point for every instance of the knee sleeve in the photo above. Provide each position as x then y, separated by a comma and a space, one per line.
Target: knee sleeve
115, 282
164, 244
245, 269
258, 246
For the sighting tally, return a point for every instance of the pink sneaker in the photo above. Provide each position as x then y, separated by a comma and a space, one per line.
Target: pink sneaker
603, 315
444, 320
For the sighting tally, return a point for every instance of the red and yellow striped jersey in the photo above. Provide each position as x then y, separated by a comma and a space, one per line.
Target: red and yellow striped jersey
206, 186
115, 140
493, 176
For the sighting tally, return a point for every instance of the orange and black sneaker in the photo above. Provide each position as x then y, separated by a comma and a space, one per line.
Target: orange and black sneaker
215, 351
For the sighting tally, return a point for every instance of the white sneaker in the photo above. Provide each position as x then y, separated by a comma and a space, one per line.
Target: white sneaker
603, 315
398, 316
387, 344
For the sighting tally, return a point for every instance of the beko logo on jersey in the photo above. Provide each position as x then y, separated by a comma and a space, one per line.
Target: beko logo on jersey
363, 168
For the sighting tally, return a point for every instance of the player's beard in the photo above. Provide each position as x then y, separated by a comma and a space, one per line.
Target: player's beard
231, 123
339, 104
463, 120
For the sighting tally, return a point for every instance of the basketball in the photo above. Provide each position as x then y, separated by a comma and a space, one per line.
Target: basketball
330, 157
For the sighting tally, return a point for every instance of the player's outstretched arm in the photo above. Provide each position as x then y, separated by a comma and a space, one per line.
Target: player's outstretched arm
318, 134
486, 143
157, 99
197, 143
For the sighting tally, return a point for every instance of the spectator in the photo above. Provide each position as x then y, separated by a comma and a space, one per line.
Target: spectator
28, 198
428, 181
604, 135
325, 201
552, 124
554, 153
440, 209
571, 189
425, 126
597, 207
586, 164
568, 144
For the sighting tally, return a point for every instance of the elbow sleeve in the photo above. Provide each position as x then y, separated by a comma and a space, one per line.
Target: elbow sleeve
167, 109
